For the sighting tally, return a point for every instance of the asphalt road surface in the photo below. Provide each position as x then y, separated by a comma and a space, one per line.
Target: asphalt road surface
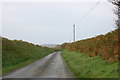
51, 66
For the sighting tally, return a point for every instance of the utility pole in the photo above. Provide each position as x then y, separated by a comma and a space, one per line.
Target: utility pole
73, 33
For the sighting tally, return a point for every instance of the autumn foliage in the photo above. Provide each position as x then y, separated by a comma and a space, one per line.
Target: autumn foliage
102, 45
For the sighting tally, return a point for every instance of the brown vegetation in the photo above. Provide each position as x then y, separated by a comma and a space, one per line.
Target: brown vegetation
102, 45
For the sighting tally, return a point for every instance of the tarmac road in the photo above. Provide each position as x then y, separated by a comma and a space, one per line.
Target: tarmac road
51, 66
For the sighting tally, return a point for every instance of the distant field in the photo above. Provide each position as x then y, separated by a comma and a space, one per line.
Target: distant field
17, 53
84, 66
49, 45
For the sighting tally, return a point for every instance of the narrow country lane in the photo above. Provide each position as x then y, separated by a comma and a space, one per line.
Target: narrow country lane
51, 66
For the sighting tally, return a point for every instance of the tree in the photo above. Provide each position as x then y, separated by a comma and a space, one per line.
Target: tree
117, 11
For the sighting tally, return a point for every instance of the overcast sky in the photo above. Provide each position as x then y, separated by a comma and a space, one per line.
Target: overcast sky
51, 22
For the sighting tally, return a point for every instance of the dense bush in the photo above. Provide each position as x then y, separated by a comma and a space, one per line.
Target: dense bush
102, 45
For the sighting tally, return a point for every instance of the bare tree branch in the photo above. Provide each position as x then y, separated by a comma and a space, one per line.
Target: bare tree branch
117, 10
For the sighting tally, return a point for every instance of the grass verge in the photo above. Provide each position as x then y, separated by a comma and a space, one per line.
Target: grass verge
18, 53
84, 66
102, 45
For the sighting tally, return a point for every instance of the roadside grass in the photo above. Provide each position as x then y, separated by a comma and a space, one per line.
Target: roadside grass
18, 53
102, 45
84, 66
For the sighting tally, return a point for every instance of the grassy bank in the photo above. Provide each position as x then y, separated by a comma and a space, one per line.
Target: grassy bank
102, 45
84, 66
18, 53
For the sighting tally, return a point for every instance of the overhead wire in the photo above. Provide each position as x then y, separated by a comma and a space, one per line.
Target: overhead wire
83, 17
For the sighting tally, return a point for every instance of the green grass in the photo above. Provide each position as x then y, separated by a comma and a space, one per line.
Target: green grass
84, 66
102, 45
18, 53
